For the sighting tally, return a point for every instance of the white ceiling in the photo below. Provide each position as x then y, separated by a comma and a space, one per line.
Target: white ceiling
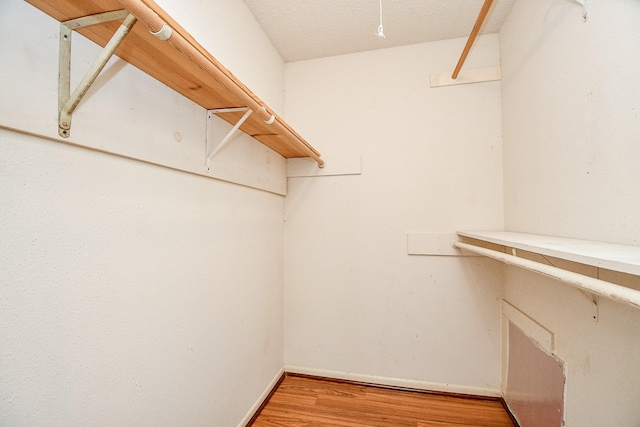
306, 29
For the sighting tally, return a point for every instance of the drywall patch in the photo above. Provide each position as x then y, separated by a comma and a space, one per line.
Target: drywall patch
534, 330
533, 377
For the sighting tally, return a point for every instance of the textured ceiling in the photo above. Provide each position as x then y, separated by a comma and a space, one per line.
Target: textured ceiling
305, 29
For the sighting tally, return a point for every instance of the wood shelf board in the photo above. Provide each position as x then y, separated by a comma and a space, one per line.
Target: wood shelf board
162, 61
610, 256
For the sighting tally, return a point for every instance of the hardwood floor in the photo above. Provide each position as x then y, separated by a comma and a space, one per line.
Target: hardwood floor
308, 402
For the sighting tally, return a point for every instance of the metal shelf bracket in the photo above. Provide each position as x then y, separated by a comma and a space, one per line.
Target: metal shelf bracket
585, 9
68, 102
211, 152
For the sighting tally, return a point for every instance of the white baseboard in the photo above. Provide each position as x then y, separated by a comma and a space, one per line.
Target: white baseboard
394, 382
261, 399
370, 379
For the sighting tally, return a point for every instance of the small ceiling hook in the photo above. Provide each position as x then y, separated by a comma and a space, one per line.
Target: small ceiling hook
380, 29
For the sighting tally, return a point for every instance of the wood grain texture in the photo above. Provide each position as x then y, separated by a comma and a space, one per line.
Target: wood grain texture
309, 402
472, 37
171, 66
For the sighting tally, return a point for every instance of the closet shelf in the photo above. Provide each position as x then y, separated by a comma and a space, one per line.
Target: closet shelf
622, 258
182, 64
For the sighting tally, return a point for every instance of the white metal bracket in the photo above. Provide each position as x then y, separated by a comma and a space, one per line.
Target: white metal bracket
585, 9
211, 152
595, 304
67, 103
591, 297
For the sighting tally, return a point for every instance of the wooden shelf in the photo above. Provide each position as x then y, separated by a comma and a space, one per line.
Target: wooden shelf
183, 65
622, 258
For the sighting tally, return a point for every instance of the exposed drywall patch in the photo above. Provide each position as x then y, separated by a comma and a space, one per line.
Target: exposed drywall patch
533, 376
535, 382
534, 330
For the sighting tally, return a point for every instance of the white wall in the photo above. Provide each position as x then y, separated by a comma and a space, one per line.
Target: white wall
232, 35
130, 294
355, 302
571, 116
180, 138
571, 111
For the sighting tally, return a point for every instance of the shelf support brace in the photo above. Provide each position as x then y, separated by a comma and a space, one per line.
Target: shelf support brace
472, 37
585, 9
226, 139
589, 284
67, 103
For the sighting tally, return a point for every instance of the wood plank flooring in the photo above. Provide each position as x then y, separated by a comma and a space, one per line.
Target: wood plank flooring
309, 402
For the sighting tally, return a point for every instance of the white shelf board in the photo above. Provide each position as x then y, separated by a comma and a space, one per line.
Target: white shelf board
434, 244
479, 75
334, 166
610, 256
